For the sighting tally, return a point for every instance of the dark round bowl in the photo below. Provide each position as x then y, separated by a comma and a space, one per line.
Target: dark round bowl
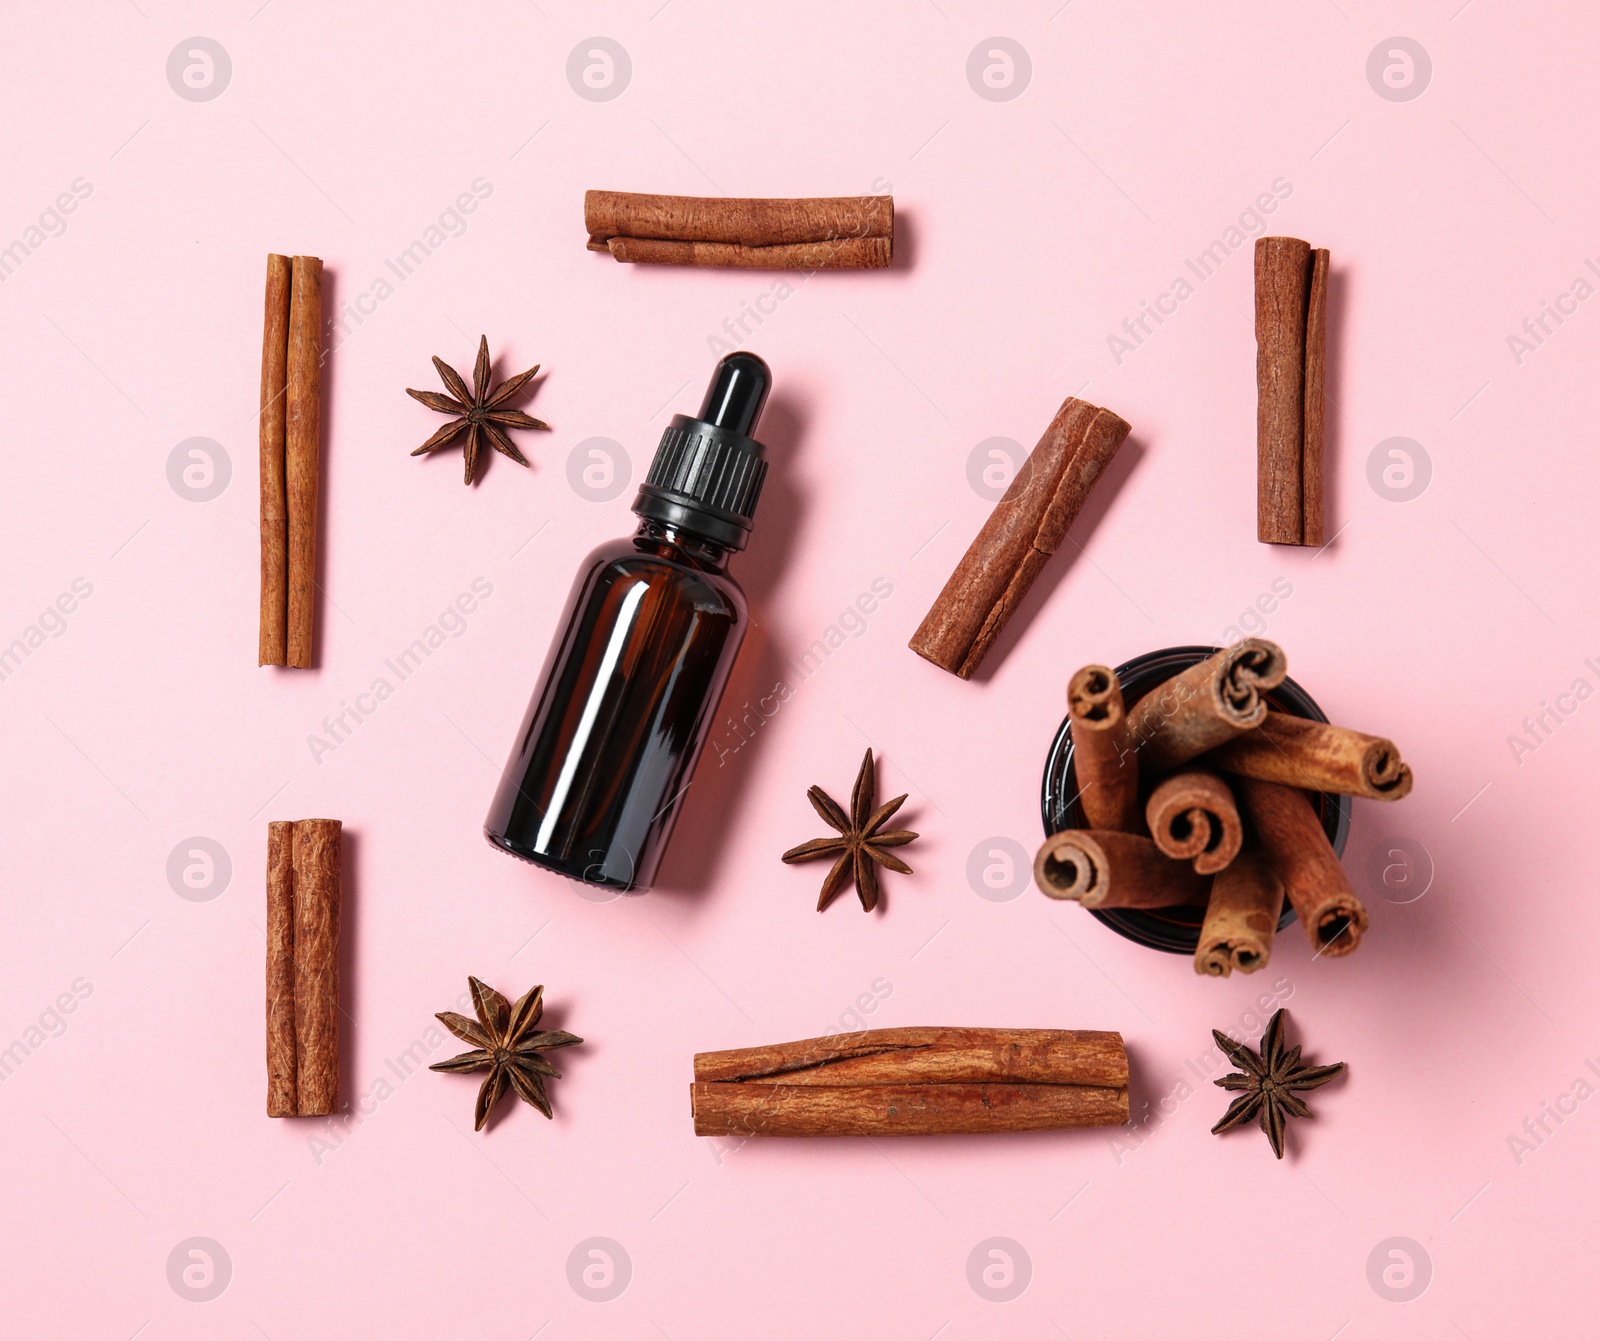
1175, 930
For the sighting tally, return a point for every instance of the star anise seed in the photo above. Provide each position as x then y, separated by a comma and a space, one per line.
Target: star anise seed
480, 411
860, 845
504, 1043
1268, 1082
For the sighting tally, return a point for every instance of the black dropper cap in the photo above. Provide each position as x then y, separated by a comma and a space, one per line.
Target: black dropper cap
707, 474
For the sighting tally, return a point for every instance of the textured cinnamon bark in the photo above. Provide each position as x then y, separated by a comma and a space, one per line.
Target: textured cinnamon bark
1213, 701
282, 1066
1317, 757
274, 637
1024, 530
316, 866
1103, 757
919, 1081
1297, 848
743, 221
1101, 868
302, 451
1291, 347
853, 253
1241, 918
1192, 817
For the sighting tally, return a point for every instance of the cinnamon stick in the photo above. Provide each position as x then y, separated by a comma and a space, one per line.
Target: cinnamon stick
302, 466
1192, 817
1318, 757
1241, 918
316, 875
1213, 701
274, 645
1291, 351
920, 1081
1026, 527
1296, 847
1100, 868
825, 233
282, 1066
1102, 754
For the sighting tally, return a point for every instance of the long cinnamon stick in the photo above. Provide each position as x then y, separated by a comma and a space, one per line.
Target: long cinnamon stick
1241, 918
1291, 346
1297, 848
274, 636
302, 465
282, 1066
1192, 817
1318, 757
1103, 757
1026, 527
1100, 868
316, 873
1213, 701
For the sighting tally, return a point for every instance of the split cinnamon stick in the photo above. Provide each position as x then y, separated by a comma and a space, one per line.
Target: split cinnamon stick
302, 465
1318, 757
1291, 353
1241, 918
920, 1081
1100, 868
1103, 757
282, 1065
825, 233
1296, 846
316, 874
1192, 817
274, 637
1213, 701
1026, 527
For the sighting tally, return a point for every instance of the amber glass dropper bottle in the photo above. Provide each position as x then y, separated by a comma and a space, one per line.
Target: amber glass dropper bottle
603, 763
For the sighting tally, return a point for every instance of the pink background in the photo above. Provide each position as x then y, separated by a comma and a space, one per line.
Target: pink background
1032, 228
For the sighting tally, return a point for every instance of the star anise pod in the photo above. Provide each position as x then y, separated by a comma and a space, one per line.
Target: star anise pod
860, 844
1269, 1081
505, 1045
480, 411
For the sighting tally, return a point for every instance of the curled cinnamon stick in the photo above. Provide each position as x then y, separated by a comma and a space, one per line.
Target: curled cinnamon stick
1291, 345
1318, 757
1026, 527
1296, 846
302, 452
1241, 918
1213, 701
316, 874
1192, 817
1105, 869
1102, 755
282, 1066
824, 233
274, 636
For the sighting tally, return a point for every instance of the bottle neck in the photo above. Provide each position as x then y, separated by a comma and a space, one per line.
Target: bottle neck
683, 545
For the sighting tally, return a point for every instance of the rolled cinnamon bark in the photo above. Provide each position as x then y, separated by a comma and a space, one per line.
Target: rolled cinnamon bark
1192, 817
281, 1061
839, 232
1105, 869
302, 452
274, 637
1241, 918
1296, 846
920, 1081
1024, 530
1291, 345
1103, 757
1317, 757
316, 873
1213, 701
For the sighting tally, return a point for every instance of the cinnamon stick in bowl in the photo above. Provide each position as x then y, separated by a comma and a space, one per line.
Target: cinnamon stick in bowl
1241, 918
1210, 702
1317, 757
1107, 766
1192, 817
1105, 869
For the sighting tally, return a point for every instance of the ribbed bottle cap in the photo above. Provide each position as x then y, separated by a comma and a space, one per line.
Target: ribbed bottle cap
708, 470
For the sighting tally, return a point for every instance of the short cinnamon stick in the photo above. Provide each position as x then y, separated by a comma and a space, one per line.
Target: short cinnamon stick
1213, 701
1318, 757
1241, 918
1291, 352
1100, 868
302, 452
316, 873
1026, 527
274, 635
282, 1066
1193, 818
1296, 846
1103, 757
